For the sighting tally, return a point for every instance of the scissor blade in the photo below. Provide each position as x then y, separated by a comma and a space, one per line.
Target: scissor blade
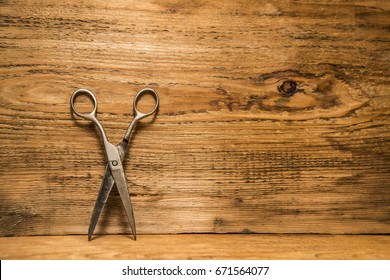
120, 181
104, 192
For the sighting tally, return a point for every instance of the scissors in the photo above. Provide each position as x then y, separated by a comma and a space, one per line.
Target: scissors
115, 155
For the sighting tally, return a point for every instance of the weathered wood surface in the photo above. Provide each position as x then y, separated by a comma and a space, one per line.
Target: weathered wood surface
199, 247
228, 150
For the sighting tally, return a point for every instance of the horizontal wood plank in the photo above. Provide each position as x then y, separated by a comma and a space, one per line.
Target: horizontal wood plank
233, 148
198, 247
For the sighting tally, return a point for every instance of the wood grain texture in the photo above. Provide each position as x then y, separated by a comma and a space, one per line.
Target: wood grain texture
199, 247
228, 151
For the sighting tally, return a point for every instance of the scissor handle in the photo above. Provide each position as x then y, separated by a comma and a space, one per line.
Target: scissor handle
89, 116
137, 113
111, 150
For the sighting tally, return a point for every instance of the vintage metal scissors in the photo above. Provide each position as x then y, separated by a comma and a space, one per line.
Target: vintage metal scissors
114, 154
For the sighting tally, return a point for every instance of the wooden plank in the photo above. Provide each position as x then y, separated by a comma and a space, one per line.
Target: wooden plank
229, 151
199, 246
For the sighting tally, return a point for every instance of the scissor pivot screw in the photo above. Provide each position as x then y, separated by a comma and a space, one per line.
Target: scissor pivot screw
114, 163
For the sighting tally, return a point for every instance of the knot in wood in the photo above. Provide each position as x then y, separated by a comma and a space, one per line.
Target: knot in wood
288, 87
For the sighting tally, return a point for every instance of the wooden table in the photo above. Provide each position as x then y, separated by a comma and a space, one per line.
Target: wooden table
199, 247
273, 128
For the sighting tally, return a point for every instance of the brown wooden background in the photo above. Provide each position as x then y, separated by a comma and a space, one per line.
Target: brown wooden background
227, 152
